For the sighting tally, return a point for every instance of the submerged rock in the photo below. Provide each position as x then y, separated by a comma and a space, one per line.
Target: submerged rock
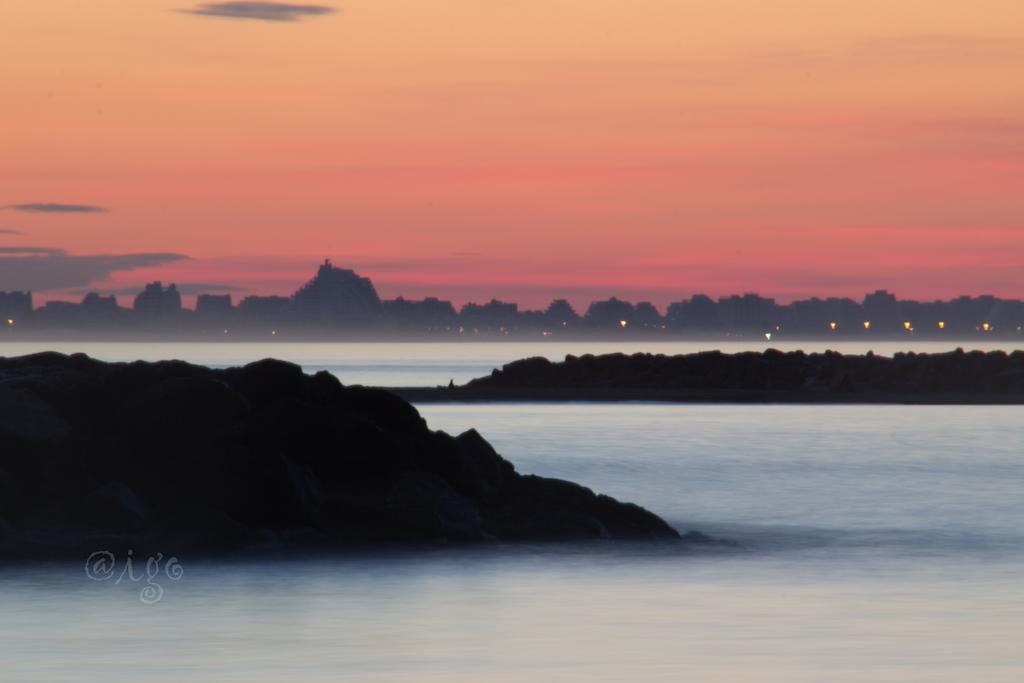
171, 457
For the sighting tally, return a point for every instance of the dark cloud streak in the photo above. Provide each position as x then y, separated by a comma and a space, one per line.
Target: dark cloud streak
49, 207
46, 268
185, 288
260, 11
31, 251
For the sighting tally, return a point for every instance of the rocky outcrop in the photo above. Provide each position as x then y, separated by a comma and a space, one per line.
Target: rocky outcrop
170, 457
955, 377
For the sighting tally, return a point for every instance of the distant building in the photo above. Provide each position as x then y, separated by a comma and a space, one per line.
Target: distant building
214, 311
94, 312
883, 311
270, 309
561, 315
429, 314
100, 312
613, 313
494, 315
645, 314
214, 305
336, 296
94, 302
15, 307
747, 313
700, 313
61, 314
339, 300
827, 316
155, 303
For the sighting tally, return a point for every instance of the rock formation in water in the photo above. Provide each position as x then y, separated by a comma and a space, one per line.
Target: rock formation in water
171, 457
954, 377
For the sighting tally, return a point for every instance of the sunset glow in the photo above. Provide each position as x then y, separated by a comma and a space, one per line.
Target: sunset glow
520, 150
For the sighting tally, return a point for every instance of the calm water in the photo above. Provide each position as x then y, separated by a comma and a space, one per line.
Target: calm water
875, 543
395, 364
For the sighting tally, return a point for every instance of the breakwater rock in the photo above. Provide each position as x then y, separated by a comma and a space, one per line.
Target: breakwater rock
771, 376
173, 457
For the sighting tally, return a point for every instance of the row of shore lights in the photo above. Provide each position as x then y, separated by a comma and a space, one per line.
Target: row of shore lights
986, 327
909, 327
273, 333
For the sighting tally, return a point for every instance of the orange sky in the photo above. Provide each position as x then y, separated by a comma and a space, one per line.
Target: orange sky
519, 148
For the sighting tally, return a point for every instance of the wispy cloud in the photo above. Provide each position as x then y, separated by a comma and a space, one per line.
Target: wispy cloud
7, 231
260, 11
47, 268
49, 207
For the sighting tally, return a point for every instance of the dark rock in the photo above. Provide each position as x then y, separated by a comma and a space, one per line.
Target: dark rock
9, 541
201, 529
268, 380
698, 538
115, 507
175, 458
993, 377
27, 417
473, 467
183, 407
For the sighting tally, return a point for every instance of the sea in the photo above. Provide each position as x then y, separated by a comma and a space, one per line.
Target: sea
862, 543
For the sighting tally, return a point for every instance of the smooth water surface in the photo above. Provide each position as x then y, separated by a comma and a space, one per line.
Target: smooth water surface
874, 543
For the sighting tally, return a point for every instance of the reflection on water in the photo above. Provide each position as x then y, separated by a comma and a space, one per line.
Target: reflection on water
874, 544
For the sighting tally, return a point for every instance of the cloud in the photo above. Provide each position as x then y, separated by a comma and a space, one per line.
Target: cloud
33, 251
956, 48
185, 288
46, 268
6, 231
261, 11
46, 207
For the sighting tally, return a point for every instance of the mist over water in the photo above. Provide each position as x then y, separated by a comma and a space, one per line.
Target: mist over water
872, 543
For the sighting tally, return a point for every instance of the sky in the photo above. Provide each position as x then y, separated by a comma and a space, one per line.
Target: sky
519, 149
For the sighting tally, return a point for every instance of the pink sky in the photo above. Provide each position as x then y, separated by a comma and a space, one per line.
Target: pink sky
522, 150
